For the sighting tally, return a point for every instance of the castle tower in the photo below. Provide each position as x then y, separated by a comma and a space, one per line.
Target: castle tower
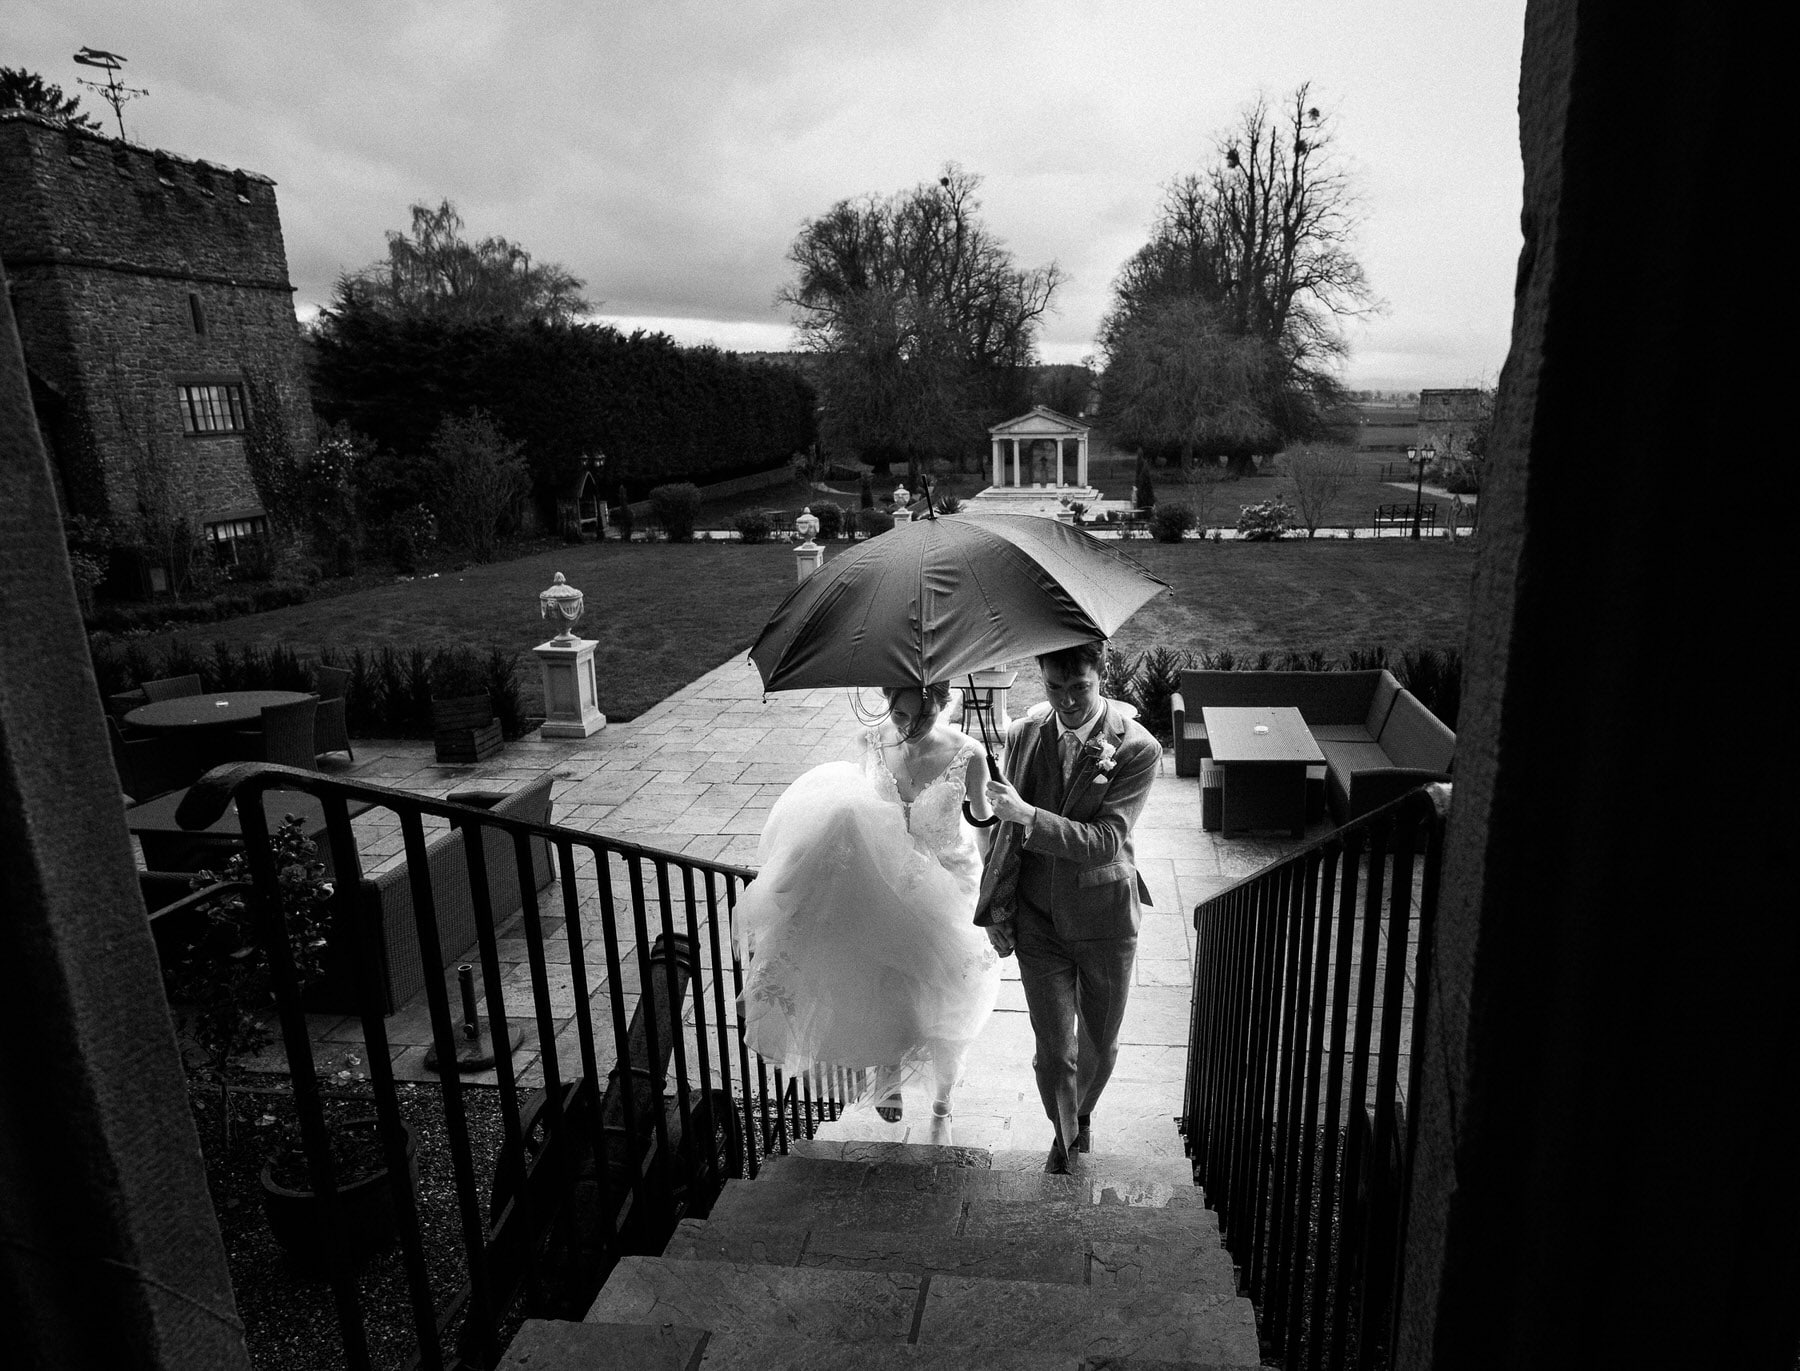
157, 322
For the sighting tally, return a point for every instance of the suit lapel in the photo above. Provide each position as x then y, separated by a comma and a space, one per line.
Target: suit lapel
1111, 726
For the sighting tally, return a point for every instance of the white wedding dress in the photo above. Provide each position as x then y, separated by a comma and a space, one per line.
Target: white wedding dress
862, 950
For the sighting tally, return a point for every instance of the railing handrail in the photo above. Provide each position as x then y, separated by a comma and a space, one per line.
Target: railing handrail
1436, 793
209, 797
666, 915
1295, 1115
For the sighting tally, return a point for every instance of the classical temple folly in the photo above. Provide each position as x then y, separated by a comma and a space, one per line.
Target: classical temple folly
1040, 466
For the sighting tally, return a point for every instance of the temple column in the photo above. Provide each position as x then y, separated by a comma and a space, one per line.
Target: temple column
1015, 456
995, 461
1081, 461
1059, 462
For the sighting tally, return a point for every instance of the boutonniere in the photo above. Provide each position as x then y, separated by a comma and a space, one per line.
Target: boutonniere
1101, 754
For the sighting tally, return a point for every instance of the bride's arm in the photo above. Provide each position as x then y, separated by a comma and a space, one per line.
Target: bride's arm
975, 787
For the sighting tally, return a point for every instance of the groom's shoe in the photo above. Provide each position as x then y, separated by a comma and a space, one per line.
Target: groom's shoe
1081, 1136
1057, 1163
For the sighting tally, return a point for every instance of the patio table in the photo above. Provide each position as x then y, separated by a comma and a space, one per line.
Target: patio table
217, 710
1264, 753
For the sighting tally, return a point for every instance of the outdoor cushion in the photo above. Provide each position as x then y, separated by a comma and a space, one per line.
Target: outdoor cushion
1340, 733
1381, 702
1344, 758
1413, 737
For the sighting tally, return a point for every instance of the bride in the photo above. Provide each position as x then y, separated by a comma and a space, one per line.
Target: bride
863, 953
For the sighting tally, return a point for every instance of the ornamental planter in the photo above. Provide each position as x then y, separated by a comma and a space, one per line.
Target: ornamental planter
464, 729
297, 1217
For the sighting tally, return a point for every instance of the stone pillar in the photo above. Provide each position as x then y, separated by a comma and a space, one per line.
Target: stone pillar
1059, 461
111, 1253
994, 453
1015, 456
808, 558
1610, 1035
1081, 465
571, 690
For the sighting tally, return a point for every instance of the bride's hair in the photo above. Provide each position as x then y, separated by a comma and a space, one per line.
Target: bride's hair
934, 699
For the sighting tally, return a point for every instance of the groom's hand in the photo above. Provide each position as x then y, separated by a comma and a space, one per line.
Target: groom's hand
1001, 936
1008, 803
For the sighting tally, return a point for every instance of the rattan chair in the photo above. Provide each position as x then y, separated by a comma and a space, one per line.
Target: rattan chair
149, 766
285, 738
171, 687
331, 732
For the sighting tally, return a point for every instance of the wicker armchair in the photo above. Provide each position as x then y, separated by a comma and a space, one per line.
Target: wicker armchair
286, 736
171, 687
149, 766
331, 732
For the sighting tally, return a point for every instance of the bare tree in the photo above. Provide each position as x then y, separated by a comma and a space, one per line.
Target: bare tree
1320, 475
926, 324
1261, 238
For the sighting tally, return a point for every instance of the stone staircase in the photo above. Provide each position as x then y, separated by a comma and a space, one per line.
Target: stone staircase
855, 1255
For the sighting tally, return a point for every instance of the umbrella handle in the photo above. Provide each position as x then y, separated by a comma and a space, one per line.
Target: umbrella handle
988, 822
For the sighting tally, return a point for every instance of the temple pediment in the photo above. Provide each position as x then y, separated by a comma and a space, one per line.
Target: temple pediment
1040, 422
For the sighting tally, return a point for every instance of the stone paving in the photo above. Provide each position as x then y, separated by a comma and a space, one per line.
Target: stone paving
696, 775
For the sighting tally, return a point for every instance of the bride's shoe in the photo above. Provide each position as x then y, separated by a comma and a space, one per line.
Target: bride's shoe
887, 1092
891, 1108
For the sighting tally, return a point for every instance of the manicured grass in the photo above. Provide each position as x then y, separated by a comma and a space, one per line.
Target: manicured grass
1298, 595
663, 613
666, 613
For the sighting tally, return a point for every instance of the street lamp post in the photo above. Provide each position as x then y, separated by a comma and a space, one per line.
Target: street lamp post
1420, 457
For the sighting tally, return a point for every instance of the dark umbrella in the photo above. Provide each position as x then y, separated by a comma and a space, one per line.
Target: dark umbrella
939, 597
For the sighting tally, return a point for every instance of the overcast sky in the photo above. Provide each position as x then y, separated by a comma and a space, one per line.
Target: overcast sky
667, 153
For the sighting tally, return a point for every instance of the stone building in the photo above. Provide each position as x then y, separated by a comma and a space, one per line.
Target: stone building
157, 322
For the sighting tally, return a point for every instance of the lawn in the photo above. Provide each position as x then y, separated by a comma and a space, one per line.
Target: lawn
665, 613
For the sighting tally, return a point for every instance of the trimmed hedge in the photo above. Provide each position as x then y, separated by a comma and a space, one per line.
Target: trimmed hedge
227, 604
389, 694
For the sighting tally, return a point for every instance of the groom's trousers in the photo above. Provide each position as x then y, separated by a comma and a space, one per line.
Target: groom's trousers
1075, 991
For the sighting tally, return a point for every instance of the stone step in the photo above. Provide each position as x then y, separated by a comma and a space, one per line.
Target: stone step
776, 1352
556, 1345
1198, 1264
968, 1314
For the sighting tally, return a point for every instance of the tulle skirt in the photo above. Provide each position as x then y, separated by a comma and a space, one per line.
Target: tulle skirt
862, 953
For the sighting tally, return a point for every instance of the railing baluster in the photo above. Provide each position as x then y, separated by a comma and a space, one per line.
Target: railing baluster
574, 932
641, 924
677, 1037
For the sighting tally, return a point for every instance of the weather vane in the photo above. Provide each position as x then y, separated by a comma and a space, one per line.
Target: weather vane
112, 91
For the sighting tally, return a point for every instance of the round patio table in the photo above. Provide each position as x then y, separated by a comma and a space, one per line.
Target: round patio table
218, 710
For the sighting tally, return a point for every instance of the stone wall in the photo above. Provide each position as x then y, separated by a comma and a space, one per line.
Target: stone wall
133, 272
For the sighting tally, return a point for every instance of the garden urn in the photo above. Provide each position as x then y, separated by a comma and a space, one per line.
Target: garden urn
571, 690
808, 555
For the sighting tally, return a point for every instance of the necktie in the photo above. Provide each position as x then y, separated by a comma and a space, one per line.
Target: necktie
1068, 746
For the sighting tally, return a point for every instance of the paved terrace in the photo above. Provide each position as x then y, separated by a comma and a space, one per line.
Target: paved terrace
696, 775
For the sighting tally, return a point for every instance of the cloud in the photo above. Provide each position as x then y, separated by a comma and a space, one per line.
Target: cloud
667, 154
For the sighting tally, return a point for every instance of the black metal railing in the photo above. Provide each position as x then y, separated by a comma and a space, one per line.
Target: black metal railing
1303, 1052
601, 1154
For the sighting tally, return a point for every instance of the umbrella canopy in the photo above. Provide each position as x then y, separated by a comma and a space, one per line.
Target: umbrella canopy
937, 598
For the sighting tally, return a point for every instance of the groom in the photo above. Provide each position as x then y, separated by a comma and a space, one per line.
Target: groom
1060, 886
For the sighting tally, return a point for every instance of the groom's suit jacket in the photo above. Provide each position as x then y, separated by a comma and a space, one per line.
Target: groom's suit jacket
1077, 864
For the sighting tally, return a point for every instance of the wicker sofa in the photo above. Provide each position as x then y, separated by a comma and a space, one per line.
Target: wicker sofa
387, 902
1378, 740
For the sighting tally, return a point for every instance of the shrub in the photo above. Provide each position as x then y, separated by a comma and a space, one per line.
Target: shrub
1265, 522
866, 497
1319, 476
873, 521
480, 476
950, 504
753, 526
1463, 483
676, 507
504, 688
830, 515
1158, 678
403, 551
1170, 520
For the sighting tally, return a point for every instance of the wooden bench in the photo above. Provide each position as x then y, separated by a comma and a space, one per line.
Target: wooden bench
1401, 516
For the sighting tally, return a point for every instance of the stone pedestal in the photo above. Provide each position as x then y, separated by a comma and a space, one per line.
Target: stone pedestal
808, 558
571, 692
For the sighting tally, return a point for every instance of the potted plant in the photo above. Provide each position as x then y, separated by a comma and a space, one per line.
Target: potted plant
297, 1216
463, 726
217, 974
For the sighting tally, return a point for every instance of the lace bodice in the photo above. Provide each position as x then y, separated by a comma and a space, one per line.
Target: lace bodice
933, 816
